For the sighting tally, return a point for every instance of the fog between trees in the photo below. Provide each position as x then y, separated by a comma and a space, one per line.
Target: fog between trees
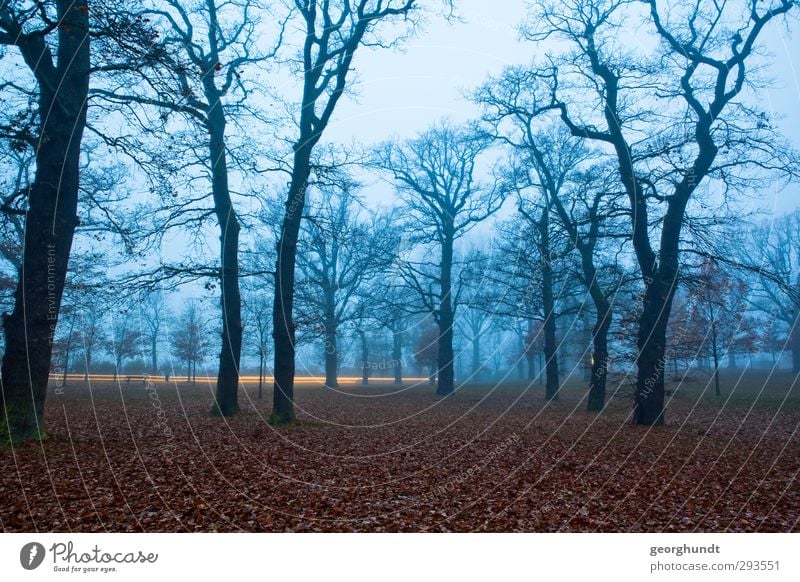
169, 203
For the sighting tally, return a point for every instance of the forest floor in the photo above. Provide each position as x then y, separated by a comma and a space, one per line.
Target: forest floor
379, 458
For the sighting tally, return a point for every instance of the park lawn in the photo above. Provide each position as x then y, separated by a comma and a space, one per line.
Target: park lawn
380, 458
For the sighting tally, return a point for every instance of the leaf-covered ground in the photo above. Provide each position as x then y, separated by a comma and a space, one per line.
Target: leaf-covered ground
382, 459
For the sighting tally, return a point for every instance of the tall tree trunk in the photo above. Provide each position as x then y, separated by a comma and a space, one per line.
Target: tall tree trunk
364, 357
660, 274
649, 401
548, 304
794, 342
587, 369
521, 360
260, 372
66, 364
446, 381
599, 372
49, 224
154, 354
88, 364
331, 351
397, 355
227, 394
68, 350
541, 367
530, 353
715, 354
283, 328
531, 365
603, 318
476, 355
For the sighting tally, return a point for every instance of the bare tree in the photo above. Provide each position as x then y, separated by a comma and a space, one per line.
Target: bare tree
66, 342
546, 177
582, 208
92, 329
540, 217
394, 305
476, 323
189, 339
19, 166
200, 78
62, 84
86, 305
62, 43
774, 247
333, 32
674, 114
257, 304
426, 351
477, 317
435, 175
342, 253
152, 317
718, 315
124, 341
